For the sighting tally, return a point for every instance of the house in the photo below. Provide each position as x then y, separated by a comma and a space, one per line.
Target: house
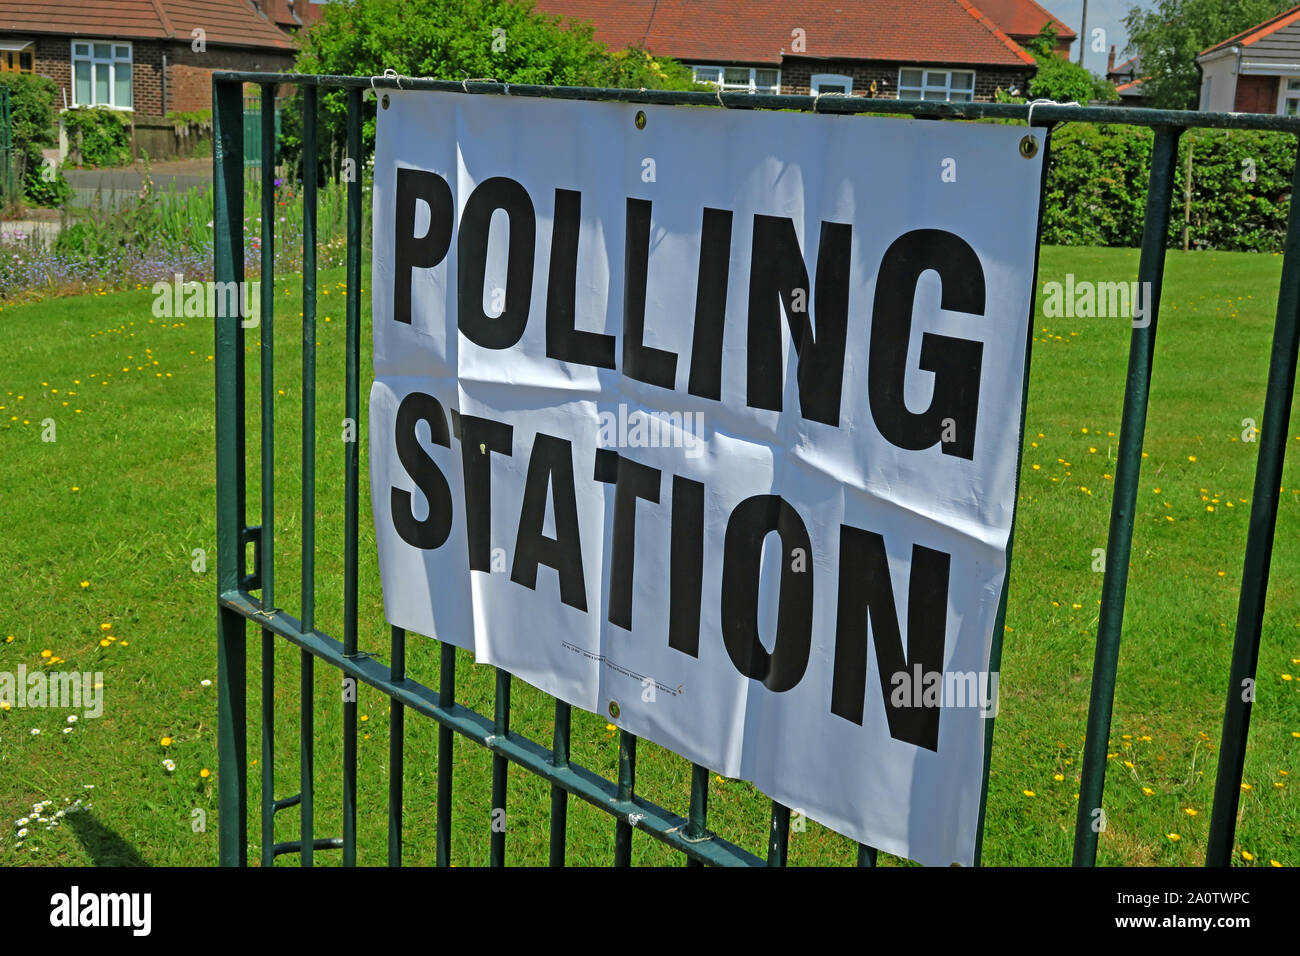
910, 49
146, 57
1024, 20
1128, 79
1256, 71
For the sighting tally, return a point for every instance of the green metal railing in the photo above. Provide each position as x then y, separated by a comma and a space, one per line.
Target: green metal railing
8, 178
237, 605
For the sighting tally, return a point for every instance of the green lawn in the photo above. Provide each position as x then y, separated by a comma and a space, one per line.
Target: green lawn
100, 526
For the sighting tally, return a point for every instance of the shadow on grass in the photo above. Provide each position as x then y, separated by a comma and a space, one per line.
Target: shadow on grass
105, 846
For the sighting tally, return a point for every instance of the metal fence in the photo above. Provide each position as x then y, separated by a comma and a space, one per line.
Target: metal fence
245, 596
8, 176
254, 154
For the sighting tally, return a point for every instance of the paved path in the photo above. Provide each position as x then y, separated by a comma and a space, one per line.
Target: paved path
182, 174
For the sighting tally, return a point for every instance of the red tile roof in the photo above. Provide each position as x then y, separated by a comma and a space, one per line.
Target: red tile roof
760, 31
1023, 18
229, 22
1257, 33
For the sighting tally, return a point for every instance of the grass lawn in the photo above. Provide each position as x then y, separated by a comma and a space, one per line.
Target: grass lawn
100, 529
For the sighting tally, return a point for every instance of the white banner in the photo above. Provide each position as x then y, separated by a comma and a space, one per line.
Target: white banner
707, 421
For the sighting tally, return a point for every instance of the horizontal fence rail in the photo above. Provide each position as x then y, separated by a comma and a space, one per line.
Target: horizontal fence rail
237, 604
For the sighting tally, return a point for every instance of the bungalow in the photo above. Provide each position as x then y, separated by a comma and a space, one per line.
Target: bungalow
1256, 71
1023, 20
147, 57
951, 50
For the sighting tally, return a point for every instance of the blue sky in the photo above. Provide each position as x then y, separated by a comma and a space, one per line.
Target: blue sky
1107, 15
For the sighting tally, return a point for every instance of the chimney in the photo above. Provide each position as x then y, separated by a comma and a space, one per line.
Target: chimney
1110, 60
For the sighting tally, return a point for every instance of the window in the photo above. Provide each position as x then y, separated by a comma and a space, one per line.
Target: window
750, 79
832, 83
101, 74
17, 56
1289, 104
956, 86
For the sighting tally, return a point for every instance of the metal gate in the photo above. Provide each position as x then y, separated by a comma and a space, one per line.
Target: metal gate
254, 154
8, 179
238, 604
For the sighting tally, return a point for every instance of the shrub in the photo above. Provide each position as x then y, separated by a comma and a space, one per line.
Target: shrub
31, 101
1097, 183
100, 136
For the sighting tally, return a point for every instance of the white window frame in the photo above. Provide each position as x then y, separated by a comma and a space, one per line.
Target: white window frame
946, 89
114, 62
831, 79
1284, 94
752, 86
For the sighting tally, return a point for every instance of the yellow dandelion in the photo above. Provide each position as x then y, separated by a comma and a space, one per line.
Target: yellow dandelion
1173, 836
1247, 855
85, 584
1190, 812
1148, 791
106, 627
166, 741
48, 653
1058, 777
1274, 863
1191, 458
205, 773
1028, 793
1247, 786
105, 642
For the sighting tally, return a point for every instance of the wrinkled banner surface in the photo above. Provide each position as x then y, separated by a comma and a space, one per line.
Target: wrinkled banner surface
709, 425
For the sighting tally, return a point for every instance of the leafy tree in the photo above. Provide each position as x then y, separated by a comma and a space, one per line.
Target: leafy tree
1170, 35
1059, 79
31, 101
456, 40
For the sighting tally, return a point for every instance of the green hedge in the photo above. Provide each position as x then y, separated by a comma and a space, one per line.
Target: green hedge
98, 136
1097, 182
31, 100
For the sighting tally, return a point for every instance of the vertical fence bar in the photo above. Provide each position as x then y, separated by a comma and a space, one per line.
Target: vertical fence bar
396, 742
266, 316
309, 199
559, 796
228, 251
446, 699
1119, 540
626, 788
351, 458
306, 729
1259, 547
778, 843
307, 758
500, 769
697, 816
267, 353
866, 854
268, 747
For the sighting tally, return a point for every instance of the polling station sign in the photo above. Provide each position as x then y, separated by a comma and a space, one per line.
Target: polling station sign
707, 421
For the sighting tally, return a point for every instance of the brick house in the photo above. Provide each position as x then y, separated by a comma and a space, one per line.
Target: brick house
913, 49
147, 57
1256, 71
1023, 20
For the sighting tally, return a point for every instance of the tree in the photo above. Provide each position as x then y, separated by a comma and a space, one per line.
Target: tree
32, 100
462, 39
1059, 79
1169, 36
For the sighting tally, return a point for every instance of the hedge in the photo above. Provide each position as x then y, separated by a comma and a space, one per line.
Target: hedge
1097, 182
